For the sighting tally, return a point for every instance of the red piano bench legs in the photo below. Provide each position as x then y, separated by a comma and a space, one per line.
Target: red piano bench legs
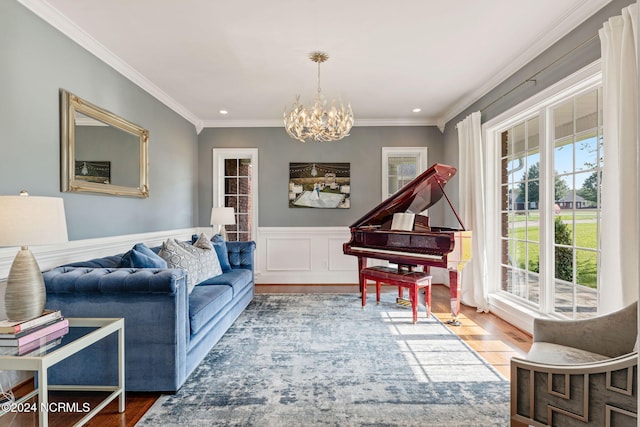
413, 280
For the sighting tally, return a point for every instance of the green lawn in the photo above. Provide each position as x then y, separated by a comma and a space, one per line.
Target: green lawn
586, 237
535, 216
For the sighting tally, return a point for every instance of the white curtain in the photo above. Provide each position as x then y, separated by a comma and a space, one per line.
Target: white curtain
618, 272
472, 210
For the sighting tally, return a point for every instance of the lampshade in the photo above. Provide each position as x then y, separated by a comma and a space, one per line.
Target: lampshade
222, 216
28, 220
24, 221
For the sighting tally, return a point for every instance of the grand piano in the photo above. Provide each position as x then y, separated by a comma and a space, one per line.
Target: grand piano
396, 231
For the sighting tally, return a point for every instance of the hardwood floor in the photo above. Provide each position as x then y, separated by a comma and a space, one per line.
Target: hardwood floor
494, 339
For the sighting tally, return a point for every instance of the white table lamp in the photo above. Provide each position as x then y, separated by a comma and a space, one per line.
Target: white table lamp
26, 220
221, 217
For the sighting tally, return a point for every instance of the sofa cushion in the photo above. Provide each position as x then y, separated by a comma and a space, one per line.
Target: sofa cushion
221, 249
140, 256
220, 245
205, 302
208, 264
237, 279
203, 242
556, 354
177, 257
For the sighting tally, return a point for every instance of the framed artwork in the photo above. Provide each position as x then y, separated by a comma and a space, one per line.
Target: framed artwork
93, 171
320, 185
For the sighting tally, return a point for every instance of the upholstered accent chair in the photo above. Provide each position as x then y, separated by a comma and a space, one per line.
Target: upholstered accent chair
578, 373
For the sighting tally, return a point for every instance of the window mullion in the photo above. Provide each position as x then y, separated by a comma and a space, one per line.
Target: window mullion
547, 201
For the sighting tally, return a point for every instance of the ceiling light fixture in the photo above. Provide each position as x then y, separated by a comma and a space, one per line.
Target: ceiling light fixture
318, 123
416, 110
223, 112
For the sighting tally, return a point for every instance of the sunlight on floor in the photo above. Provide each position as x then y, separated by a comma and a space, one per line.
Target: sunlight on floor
436, 354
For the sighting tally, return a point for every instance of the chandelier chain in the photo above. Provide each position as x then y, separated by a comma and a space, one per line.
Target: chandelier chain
318, 79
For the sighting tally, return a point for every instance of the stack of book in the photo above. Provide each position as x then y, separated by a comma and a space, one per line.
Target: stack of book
34, 335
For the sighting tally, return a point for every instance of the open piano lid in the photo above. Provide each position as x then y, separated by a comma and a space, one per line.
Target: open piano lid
417, 196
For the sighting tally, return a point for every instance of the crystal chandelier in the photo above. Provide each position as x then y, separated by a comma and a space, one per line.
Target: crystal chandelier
319, 123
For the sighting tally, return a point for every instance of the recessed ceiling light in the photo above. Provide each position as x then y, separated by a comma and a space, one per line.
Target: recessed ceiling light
416, 110
223, 112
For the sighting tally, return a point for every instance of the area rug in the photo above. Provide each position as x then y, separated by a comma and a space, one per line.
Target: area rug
322, 360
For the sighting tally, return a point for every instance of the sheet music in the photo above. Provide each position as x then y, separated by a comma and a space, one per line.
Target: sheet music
403, 221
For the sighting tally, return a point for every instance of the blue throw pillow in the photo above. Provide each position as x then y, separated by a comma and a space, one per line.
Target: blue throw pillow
221, 249
140, 256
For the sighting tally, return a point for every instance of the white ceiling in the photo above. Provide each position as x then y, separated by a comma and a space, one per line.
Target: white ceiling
250, 57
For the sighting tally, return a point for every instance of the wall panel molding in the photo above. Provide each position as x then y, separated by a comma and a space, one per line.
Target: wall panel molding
288, 254
304, 255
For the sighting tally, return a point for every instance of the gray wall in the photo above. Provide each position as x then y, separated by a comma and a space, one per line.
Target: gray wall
576, 50
36, 61
362, 149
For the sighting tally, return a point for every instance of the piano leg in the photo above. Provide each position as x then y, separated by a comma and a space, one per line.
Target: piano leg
362, 264
454, 295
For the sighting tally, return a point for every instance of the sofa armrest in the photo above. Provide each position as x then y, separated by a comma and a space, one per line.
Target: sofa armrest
241, 254
611, 335
113, 280
154, 304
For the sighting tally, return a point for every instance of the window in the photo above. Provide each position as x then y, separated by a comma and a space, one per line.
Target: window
549, 163
399, 166
520, 190
577, 159
235, 185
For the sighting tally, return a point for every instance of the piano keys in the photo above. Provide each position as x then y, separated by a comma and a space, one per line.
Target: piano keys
396, 230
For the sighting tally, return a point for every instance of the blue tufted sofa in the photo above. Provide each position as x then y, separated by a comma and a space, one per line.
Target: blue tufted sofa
168, 331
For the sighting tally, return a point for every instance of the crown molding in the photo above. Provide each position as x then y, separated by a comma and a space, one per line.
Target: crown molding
60, 22
396, 122
242, 123
279, 123
560, 28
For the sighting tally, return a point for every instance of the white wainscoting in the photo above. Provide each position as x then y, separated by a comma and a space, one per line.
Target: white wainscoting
51, 256
311, 255
304, 255
284, 255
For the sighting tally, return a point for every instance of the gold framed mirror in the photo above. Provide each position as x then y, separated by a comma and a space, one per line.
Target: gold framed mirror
101, 152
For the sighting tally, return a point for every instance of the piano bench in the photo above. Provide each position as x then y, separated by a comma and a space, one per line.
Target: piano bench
413, 280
